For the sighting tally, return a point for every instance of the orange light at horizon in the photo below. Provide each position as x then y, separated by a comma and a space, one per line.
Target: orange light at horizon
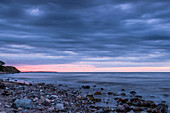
89, 68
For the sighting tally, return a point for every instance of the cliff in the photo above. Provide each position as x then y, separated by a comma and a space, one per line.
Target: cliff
8, 69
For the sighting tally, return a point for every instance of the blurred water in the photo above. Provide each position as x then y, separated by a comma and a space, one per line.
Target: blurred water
147, 84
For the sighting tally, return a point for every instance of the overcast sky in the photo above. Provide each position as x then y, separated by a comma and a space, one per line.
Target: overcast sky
100, 34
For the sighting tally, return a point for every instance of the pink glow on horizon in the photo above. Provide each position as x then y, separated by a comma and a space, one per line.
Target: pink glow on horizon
89, 68
57, 68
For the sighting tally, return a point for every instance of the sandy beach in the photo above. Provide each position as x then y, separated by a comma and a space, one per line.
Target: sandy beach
20, 97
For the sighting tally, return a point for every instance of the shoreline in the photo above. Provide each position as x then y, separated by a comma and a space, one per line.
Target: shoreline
41, 97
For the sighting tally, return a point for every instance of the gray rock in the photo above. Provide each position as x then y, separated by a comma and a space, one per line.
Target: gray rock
59, 106
25, 103
120, 108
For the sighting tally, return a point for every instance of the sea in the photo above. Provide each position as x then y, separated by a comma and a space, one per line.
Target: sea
151, 85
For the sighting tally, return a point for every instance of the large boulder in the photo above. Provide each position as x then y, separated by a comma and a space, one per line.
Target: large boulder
25, 103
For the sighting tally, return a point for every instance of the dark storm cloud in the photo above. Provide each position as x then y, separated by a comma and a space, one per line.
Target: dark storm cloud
78, 30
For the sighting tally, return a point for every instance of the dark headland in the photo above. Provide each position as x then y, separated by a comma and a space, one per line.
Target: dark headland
7, 69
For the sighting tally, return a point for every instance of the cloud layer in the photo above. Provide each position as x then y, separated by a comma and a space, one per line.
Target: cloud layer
103, 33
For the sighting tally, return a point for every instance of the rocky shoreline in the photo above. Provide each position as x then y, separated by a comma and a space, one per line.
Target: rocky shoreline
20, 97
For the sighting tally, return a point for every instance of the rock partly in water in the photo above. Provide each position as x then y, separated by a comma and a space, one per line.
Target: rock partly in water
86, 87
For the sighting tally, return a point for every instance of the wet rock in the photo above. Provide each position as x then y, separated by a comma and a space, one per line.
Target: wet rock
152, 96
25, 103
120, 108
137, 109
125, 100
51, 109
133, 92
7, 106
127, 107
151, 104
110, 93
39, 107
149, 110
122, 89
59, 106
35, 99
163, 108
86, 87
96, 100
20, 109
2, 86
134, 99
123, 94
97, 93
5, 93
46, 103
138, 96
115, 94
89, 96
55, 96
165, 95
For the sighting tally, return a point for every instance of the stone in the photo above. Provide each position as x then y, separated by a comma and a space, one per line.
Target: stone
20, 109
125, 100
133, 92
163, 108
149, 110
110, 93
35, 99
123, 94
126, 106
137, 109
138, 96
2, 86
122, 89
55, 96
51, 109
25, 103
96, 100
5, 93
86, 87
59, 106
120, 108
165, 95
97, 93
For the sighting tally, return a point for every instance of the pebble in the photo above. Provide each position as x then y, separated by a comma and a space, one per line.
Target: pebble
97, 93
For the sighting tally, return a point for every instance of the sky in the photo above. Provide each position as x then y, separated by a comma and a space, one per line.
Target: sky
86, 35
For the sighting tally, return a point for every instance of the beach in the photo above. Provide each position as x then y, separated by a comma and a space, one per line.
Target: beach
38, 97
